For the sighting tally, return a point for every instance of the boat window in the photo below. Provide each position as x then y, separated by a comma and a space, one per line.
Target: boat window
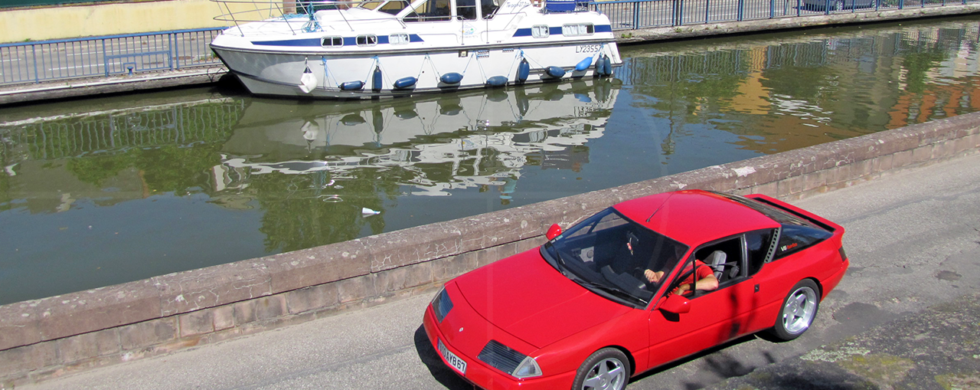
540, 31
367, 40
571, 30
333, 41
393, 7
398, 39
466, 9
489, 8
430, 10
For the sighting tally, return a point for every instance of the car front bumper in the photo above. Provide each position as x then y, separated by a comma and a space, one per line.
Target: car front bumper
485, 376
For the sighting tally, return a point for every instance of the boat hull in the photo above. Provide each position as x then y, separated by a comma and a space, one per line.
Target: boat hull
278, 73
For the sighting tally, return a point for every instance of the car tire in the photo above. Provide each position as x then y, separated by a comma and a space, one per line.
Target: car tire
607, 368
798, 311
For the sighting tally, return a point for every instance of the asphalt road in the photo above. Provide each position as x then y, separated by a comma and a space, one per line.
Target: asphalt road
913, 238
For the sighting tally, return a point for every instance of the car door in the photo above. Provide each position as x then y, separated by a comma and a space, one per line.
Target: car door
713, 317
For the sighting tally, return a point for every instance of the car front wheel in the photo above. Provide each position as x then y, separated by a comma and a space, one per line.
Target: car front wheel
606, 369
798, 311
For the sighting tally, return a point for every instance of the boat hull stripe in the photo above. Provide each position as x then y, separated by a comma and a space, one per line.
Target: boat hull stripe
526, 32
348, 41
409, 51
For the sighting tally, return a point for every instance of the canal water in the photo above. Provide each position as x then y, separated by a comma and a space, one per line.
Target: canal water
110, 190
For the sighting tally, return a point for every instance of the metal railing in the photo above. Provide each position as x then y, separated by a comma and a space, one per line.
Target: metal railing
638, 14
34, 62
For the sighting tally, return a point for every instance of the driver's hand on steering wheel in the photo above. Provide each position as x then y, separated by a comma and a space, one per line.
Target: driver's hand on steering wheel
653, 277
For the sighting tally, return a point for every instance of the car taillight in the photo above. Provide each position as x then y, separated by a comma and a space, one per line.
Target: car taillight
843, 256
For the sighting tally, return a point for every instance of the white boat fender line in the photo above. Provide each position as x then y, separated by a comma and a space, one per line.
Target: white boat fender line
308, 81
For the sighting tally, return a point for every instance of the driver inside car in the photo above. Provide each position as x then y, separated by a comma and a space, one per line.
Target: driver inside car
702, 279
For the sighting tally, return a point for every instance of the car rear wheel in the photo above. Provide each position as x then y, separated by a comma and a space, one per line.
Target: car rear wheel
606, 369
798, 311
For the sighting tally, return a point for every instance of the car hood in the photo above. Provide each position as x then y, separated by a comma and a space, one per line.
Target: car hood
526, 297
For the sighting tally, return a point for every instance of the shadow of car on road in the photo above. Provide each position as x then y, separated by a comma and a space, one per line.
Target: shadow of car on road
439, 370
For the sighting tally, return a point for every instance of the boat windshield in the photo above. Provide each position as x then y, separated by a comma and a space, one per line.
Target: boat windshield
387, 6
609, 253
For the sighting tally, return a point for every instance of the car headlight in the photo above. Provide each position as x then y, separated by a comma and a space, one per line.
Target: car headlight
503, 358
441, 304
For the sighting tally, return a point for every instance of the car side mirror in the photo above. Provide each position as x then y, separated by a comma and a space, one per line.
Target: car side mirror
553, 231
676, 304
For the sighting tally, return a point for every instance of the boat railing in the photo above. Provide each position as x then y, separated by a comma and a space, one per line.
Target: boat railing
299, 14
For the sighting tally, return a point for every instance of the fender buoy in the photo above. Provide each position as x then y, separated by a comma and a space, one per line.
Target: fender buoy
523, 70
603, 67
497, 81
352, 86
405, 82
583, 65
451, 78
376, 80
555, 71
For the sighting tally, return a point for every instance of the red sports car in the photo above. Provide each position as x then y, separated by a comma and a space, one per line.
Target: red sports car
638, 285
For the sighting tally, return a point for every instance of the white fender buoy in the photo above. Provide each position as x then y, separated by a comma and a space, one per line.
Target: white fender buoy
368, 212
307, 82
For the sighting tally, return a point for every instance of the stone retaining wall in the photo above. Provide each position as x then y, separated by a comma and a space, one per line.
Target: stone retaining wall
49, 337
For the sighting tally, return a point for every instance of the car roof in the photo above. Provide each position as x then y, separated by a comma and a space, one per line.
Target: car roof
694, 217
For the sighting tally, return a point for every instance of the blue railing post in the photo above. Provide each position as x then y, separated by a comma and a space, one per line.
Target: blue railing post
901, 4
707, 13
741, 9
772, 9
826, 7
680, 12
174, 51
105, 59
799, 5
37, 79
636, 15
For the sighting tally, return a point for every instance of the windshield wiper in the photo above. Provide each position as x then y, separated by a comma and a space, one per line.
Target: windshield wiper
612, 289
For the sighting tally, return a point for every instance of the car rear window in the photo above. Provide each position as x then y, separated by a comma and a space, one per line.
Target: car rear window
796, 232
794, 238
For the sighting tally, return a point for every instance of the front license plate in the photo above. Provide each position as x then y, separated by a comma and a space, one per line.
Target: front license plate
452, 359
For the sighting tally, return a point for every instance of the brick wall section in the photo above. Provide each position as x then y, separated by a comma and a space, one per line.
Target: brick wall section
50, 337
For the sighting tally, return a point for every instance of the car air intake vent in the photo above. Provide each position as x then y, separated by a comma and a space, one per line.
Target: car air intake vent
501, 357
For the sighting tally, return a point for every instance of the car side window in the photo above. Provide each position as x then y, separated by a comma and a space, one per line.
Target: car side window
714, 265
794, 238
759, 248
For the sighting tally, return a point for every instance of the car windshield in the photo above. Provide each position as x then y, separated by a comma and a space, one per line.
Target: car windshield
609, 254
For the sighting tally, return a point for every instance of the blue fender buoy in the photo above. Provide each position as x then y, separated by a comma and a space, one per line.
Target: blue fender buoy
376, 81
497, 81
583, 65
451, 78
523, 70
405, 82
352, 86
555, 71
603, 66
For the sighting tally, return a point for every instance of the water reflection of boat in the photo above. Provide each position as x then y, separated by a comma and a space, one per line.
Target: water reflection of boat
446, 142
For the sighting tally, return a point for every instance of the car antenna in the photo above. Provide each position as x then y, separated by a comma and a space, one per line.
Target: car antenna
659, 207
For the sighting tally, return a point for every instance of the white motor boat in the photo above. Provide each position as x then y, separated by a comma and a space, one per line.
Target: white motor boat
392, 48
